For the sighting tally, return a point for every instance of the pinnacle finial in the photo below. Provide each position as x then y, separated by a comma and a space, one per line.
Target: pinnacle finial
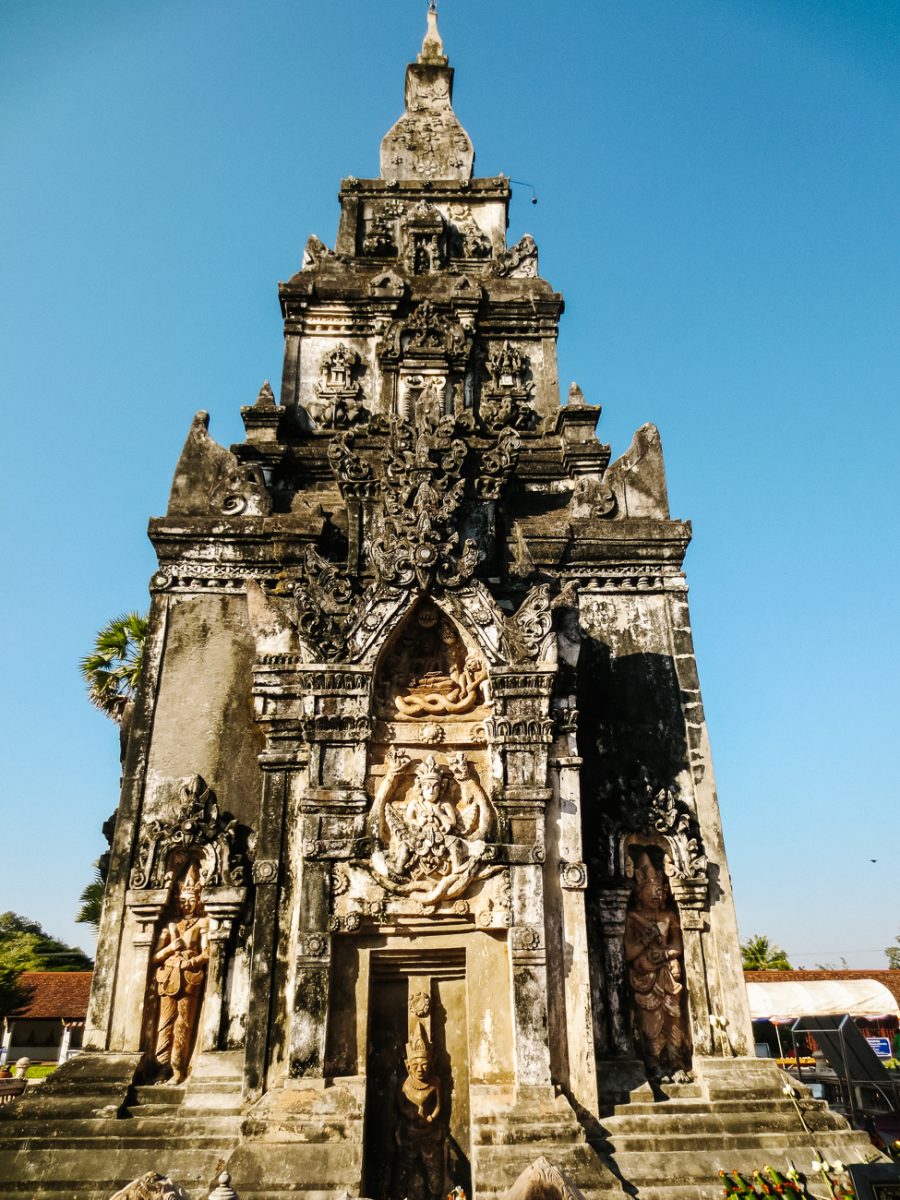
432, 47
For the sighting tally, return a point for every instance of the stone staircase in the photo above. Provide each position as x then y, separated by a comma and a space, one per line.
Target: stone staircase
511, 1127
84, 1138
734, 1117
64, 1142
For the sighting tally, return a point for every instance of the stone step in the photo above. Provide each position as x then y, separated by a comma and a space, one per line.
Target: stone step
160, 1093
705, 1142
495, 1168
699, 1105
662, 1168
663, 1125
506, 1132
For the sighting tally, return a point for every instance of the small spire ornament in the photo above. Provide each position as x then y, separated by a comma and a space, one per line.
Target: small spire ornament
224, 1190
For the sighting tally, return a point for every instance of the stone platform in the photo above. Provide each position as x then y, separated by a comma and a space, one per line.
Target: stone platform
92, 1130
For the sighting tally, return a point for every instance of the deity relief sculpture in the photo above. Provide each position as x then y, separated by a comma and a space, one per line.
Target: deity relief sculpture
469, 240
654, 956
430, 845
421, 1131
180, 957
339, 396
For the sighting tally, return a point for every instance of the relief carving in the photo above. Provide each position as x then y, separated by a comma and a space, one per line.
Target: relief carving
507, 392
431, 824
520, 261
429, 671
422, 490
339, 394
468, 240
654, 957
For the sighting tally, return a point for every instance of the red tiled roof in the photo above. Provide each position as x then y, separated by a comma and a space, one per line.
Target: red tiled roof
890, 979
62, 994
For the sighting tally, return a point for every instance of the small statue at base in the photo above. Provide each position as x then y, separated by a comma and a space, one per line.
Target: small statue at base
181, 958
421, 1134
654, 957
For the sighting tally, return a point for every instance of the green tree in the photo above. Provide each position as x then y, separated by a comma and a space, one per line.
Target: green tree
26, 946
893, 956
113, 668
759, 954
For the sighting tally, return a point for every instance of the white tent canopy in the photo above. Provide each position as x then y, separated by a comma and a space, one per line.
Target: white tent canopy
787, 999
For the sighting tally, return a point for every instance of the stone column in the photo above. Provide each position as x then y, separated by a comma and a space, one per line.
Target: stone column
222, 907
613, 903
573, 882
690, 896
265, 919
528, 967
146, 907
309, 1015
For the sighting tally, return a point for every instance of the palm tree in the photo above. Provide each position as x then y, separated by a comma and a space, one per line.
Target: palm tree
91, 901
759, 954
113, 668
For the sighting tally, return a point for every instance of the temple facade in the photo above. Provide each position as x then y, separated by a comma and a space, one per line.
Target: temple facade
418, 879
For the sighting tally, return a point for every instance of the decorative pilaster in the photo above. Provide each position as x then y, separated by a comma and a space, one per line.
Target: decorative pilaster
613, 903
222, 907
691, 897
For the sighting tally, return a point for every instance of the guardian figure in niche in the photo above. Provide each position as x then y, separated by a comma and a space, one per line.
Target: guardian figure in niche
421, 1132
180, 958
654, 955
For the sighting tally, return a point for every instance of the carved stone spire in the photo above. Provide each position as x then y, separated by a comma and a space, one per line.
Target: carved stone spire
433, 46
428, 141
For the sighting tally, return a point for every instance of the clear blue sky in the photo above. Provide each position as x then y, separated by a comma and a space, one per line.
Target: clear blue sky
718, 184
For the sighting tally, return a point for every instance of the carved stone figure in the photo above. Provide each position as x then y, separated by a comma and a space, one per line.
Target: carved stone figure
151, 1186
457, 692
339, 395
655, 960
421, 1132
506, 394
428, 844
469, 240
180, 958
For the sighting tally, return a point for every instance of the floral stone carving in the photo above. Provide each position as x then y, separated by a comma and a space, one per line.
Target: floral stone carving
431, 825
198, 833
